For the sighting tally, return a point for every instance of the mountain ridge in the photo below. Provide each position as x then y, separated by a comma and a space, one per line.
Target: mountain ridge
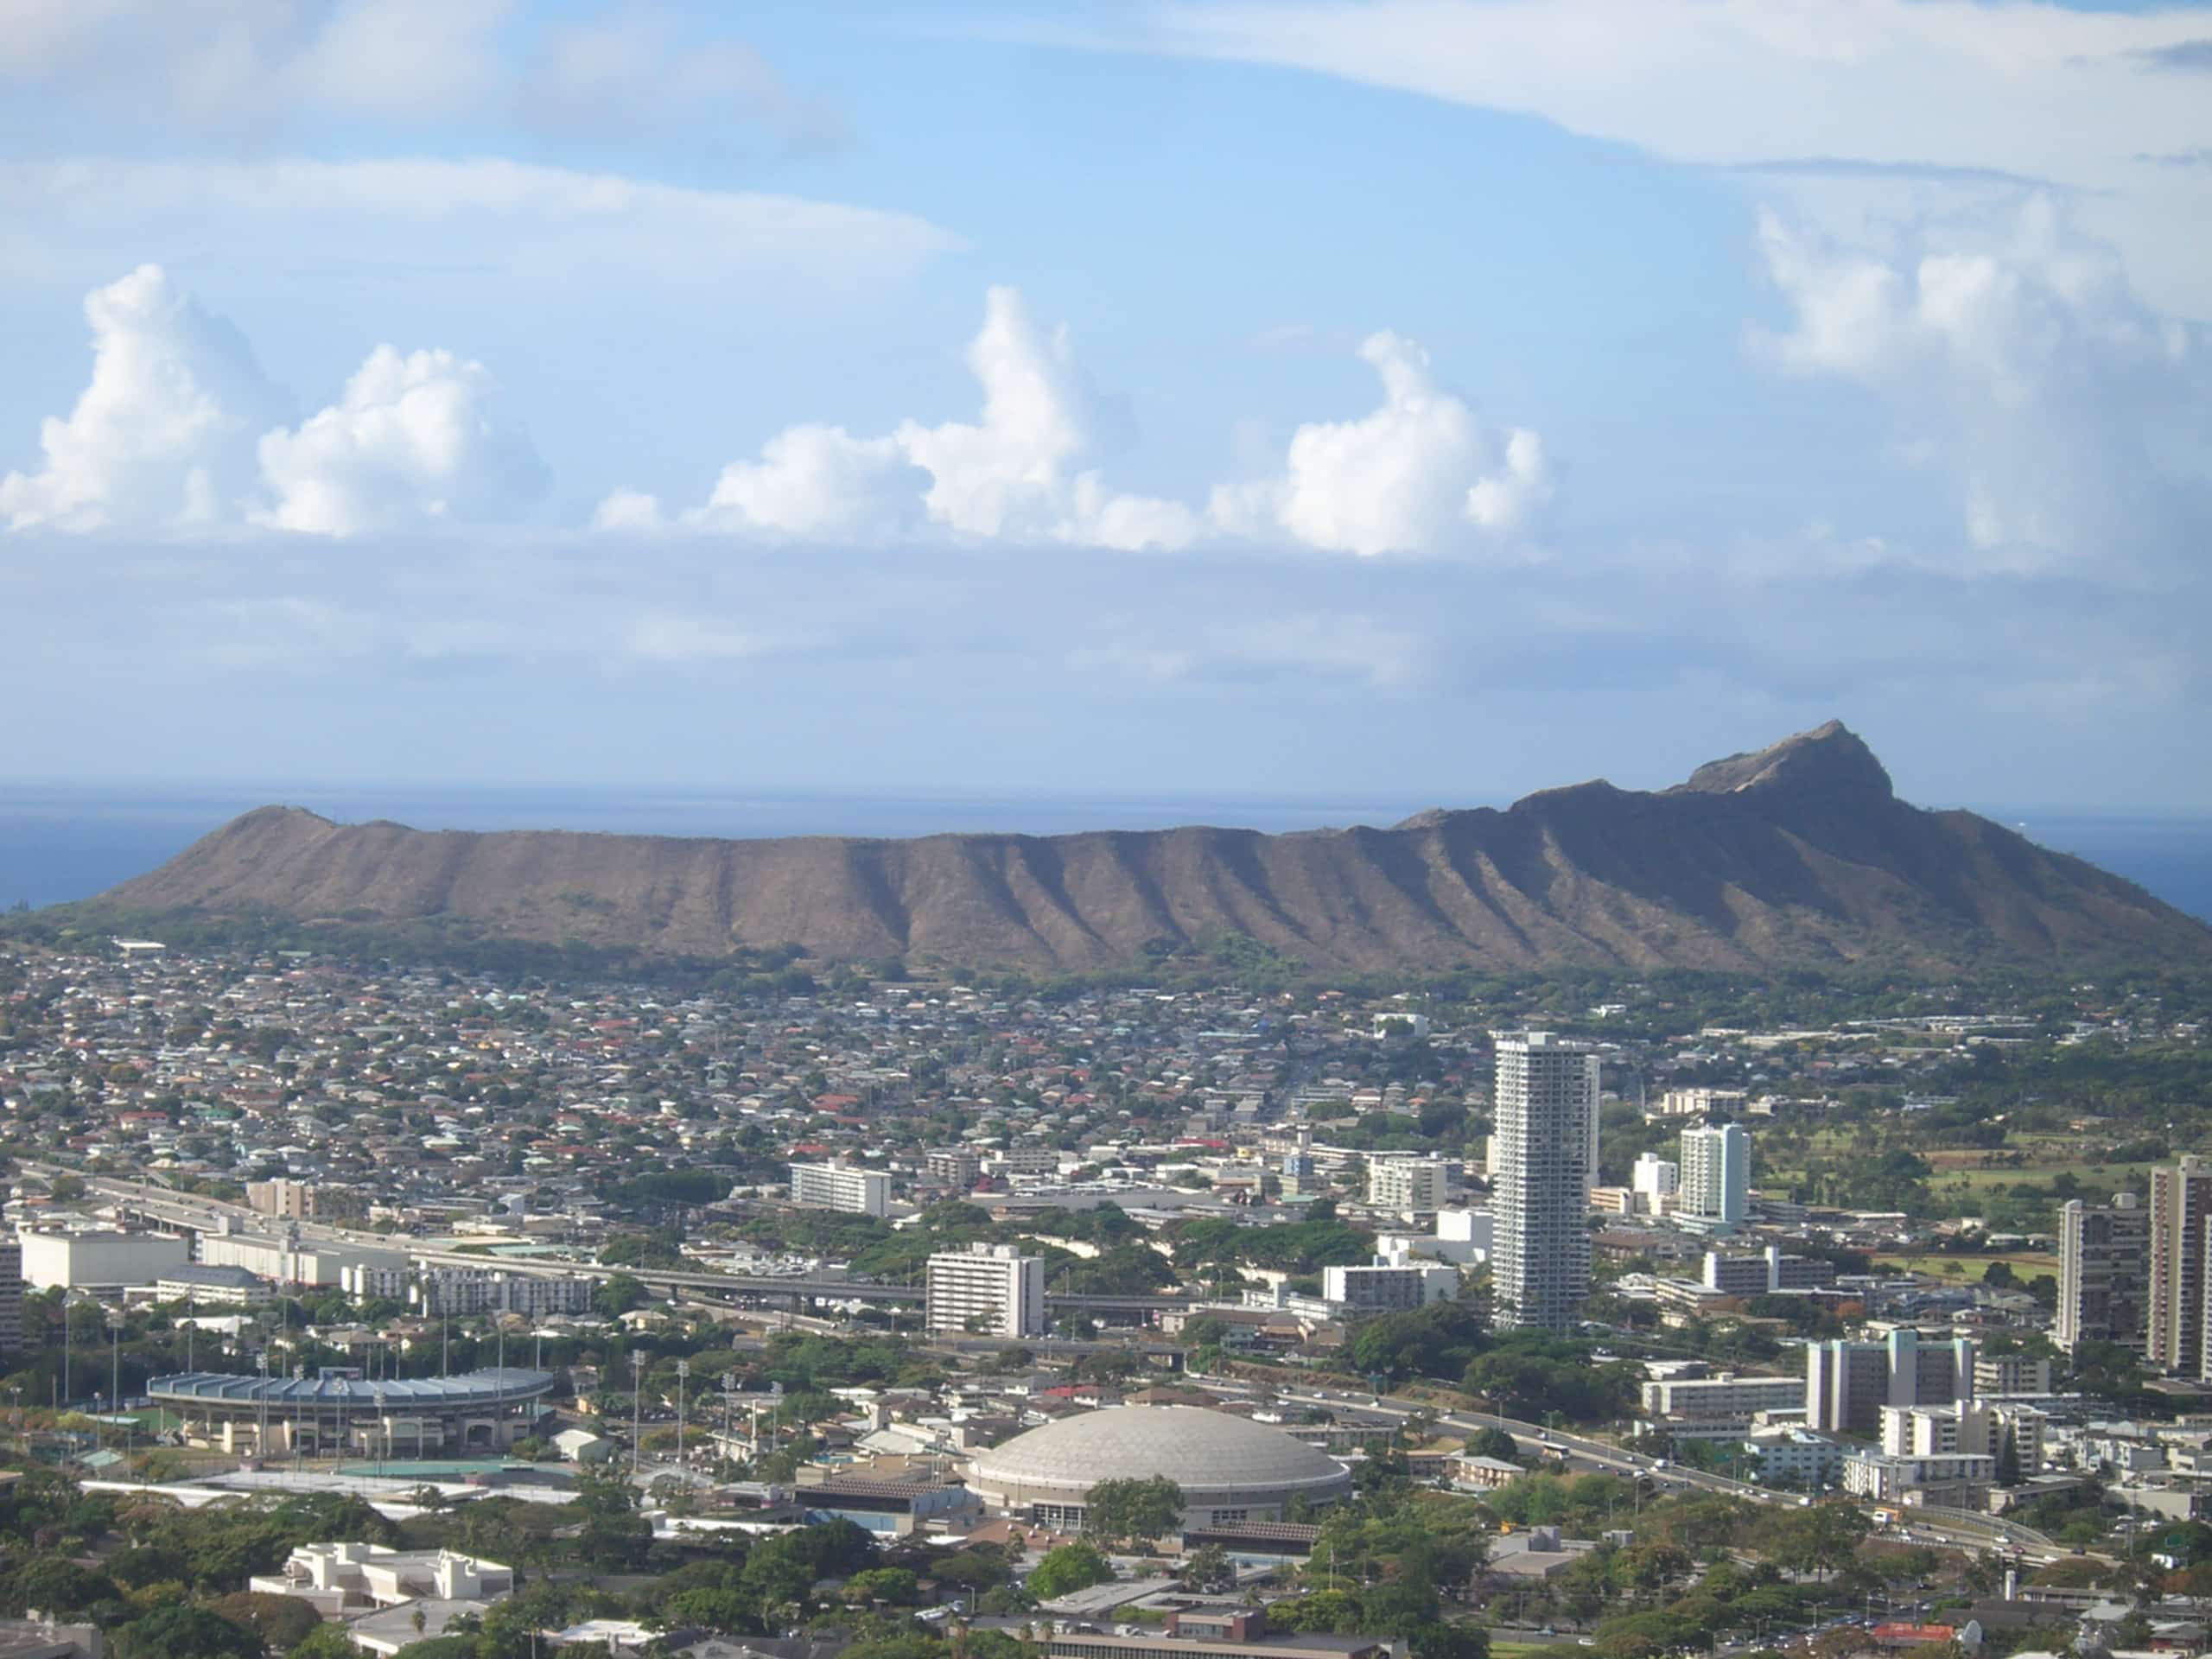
1795, 855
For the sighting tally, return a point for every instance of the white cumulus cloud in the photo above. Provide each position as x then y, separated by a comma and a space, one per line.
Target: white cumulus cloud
1416, 475
814, 481
177, 427
1009, 475
164, 431
413, 437
2016, 356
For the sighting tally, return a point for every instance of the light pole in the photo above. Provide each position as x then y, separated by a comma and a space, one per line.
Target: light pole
729, 1409
682, 1372
114, 1359
637, 1410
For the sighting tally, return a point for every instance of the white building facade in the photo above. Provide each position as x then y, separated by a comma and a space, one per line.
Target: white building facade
836, 1186
1716, 1176
987, 1290
1406, 1186
1545, 1106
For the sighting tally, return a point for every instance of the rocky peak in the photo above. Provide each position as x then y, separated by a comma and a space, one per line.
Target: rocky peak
1828, 760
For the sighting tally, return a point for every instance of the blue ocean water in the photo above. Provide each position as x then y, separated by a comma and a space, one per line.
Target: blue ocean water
59, 842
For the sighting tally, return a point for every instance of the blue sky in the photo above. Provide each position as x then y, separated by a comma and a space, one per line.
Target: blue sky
1413, 398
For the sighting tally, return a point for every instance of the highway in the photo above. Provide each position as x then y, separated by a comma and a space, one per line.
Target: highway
197, 1214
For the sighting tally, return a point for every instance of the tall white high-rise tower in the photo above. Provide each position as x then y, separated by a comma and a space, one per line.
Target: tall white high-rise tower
1716, 1176
1545, 1105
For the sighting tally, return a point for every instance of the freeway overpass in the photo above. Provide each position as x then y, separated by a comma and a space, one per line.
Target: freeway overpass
165, 1208
1959, 1527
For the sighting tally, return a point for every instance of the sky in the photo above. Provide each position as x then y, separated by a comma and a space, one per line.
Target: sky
1411, 400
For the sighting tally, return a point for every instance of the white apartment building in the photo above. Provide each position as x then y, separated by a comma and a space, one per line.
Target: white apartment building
1406, 1186
2181, 1203
989, 1290
2104, 1270
198, 1285
1792, 1457
1956, 1480
1655, 1179
1975, 1426
375, 1281
468, 1291
1718, 1407
1388, 1284
1701, 1102
1848, 1383
2010, 1374
1545, 1106
840, 1187
1716, 1177
11, 1296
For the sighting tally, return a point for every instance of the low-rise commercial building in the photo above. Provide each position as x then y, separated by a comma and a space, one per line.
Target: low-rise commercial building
104, 1261
338, 1579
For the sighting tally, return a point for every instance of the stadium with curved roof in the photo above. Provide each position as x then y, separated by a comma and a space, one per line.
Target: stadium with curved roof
1231, 1468
339, 1412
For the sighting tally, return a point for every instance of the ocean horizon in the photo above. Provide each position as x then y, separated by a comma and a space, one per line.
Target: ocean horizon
64, 842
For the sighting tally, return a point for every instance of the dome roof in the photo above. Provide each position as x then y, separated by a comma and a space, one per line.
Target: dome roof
1197, 1448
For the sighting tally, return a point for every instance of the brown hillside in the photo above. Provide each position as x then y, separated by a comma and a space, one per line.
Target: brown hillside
1798, 855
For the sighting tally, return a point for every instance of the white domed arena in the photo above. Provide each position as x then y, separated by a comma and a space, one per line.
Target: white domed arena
1230, 1468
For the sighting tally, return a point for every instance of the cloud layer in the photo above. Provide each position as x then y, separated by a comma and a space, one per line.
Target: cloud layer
1924, 89
1051, 665
503, 228
179, 429
253, 63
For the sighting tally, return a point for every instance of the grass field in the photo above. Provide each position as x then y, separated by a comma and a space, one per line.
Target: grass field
2026, 1264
